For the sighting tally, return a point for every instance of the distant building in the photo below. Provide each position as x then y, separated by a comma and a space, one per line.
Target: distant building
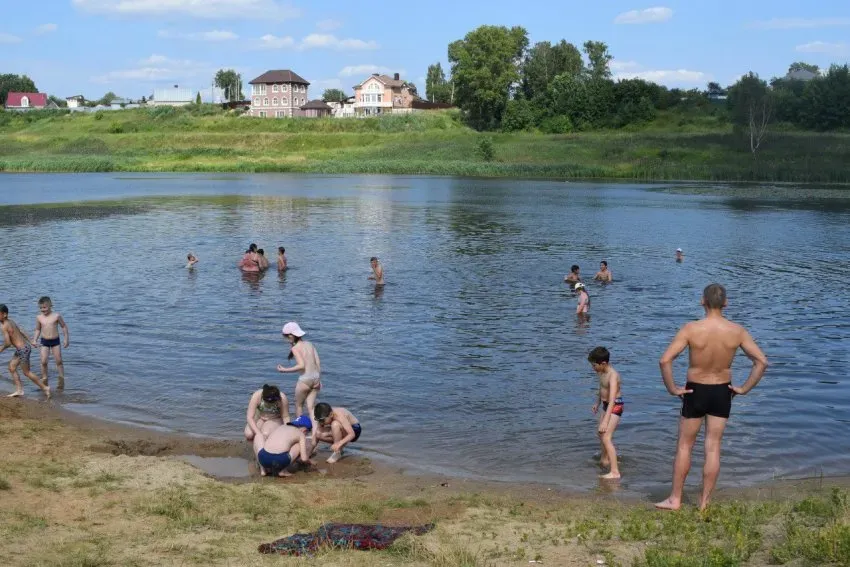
380, 94
278, 94
26, 101
176, 96
343, 109
801, 75
316, 109
76, 101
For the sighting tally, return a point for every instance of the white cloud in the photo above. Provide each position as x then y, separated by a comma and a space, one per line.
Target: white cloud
329, 25
9, 38
156, 68
668, 77
620, 66
326, 84
648, 16
800, 23
214, 35
839, 48
270, 41
329, 41
235, 9
46, 28
358, 70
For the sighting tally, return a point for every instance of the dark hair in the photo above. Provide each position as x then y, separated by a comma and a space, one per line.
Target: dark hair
252, 247
322, 411
714, 296
604, 263
4, 309
574, 268
270, 393
188, 256
599, 355
261, 252
281, 249
44, 299
373, 259
294, 342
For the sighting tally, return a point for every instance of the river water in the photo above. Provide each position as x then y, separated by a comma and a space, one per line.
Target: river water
471, 360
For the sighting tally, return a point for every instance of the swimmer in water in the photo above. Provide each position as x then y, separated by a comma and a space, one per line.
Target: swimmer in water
191, 260
574, 276
250, 261
610, 396
708, 393
680, 256
377, 271
281, 259
583, 306
604, 274
263, 262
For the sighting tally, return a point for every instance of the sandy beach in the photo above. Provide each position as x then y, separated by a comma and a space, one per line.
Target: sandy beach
79, 491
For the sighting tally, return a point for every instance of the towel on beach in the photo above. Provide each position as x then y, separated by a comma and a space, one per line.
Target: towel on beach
342, 536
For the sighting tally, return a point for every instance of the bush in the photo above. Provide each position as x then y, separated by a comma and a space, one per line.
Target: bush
518, 115
557, 125
98, 115
116, 128
485, 148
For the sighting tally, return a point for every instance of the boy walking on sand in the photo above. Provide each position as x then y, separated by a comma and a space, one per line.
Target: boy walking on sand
611, 397
12, 336
47, 329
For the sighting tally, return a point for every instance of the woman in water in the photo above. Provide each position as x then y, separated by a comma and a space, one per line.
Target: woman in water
250, 261
267, 409
583, 299
307, 363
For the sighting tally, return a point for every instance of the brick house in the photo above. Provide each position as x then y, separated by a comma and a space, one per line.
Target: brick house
278, 94
26, 101
380, 94
316, 109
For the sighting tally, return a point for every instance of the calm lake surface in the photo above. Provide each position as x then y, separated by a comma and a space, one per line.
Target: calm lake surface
471, 361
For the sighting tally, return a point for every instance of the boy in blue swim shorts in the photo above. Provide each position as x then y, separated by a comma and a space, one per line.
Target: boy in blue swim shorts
282, 447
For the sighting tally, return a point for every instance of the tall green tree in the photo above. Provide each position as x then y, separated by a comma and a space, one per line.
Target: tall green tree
231, 82
60, 102
825, 104
334, 95
544, 62
751, 108
599, 59
802, 66
15, 83
437, 88
485, 70
107, 99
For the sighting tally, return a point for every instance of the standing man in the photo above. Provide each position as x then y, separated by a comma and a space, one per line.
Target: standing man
708, 393
377, 271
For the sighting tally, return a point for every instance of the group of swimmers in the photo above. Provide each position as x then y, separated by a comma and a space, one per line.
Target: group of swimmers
254, 260
279, 442
45, 336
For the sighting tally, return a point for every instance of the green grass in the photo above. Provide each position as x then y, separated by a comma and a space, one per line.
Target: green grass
675, 146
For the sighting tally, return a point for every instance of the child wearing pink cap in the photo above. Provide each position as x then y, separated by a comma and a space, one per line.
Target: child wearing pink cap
307, 363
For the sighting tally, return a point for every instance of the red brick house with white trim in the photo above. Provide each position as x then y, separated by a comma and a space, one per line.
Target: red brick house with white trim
278, 94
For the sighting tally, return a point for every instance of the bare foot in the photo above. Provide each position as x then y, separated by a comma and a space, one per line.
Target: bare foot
610, 476
703, 506
284, 474
15, 395
262, 471
334, 458
46, 391
668, 504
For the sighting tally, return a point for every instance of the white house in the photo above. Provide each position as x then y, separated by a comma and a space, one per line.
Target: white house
176, 96
75, 101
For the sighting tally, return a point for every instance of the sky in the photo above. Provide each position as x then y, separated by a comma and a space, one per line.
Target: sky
131, 47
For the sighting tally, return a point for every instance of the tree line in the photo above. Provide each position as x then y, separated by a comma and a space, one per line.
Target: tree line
500, 82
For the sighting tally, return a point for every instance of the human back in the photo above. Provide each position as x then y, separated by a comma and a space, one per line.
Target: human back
712, 344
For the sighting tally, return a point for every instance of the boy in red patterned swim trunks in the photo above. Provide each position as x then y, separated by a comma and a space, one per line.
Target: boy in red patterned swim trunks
611, 398
13, 337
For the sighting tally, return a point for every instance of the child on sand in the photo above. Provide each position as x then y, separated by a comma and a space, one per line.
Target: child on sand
191, 260
344, 428
47, 329
12, 336
611, 397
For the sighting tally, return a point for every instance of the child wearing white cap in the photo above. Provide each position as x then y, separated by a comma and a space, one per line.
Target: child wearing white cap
583, 299
308, 364
679, 255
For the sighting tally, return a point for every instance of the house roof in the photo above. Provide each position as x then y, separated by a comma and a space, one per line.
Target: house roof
388, 81
279, 76
316, 105
35, 99
79, 96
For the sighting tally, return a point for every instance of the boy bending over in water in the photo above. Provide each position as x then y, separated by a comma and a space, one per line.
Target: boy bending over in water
47, 327
344, 428
12, 336
612, 407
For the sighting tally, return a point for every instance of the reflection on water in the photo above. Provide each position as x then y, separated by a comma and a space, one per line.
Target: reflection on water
474, 339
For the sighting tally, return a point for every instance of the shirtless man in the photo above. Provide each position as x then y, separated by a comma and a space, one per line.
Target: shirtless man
282, 447
712, 344
604, 274
574, 276
377, 271
12, 336
47, 327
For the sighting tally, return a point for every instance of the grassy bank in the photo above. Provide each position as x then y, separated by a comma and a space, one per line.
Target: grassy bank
209, 140
75, 496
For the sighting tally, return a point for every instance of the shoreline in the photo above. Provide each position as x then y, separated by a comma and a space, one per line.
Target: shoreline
80, 491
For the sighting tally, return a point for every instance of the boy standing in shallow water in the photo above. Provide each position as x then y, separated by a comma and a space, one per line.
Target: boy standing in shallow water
47, 326
12, 336
610, 395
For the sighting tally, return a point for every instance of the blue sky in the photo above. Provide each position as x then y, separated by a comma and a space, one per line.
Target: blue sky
133, 46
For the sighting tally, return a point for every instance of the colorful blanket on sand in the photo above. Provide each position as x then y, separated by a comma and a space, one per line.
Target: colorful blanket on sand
341, 536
